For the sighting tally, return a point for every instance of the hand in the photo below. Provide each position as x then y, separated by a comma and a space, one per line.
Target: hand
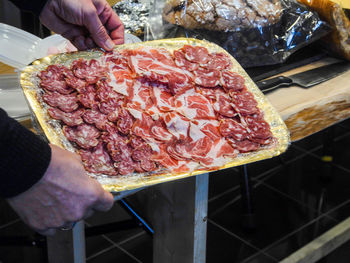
84, 22
64, 195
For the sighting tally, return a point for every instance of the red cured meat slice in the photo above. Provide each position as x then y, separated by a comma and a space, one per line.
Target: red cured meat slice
121, 82
224, 106
225, 149
140, 98
258, 127
97, 118
54, 72
136, 142
142, 154
191, 150
105, 92
163, 157
125, 121
148, 165
142, 127
59, 86
207, 78
244, 146
194, 106
244, 103
74, 82
234, 129
118, 61
218, 61
159, 131
69, 118
209, 93
86, 89
90, 71
158, 65
196, 54
162, 98
179, 83
232, 81
109, 107
182, 62
210, 128
125, 167
66, 103
98, 161
89, 100
86, 136
53, 79
177, 125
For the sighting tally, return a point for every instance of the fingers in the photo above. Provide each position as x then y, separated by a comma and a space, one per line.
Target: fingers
105, 202
97, 30
113, 24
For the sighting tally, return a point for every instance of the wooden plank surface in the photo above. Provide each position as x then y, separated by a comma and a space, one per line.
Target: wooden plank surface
306, 111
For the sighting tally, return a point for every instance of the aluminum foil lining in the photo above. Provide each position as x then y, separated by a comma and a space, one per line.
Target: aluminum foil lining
134, 15
53, 129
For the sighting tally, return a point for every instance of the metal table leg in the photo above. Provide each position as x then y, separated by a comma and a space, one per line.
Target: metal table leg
67, 246
178, 212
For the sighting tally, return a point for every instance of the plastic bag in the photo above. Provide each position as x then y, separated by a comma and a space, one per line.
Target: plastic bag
255, 32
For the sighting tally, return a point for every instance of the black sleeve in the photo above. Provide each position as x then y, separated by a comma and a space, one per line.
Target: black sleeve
34, 6
24, 157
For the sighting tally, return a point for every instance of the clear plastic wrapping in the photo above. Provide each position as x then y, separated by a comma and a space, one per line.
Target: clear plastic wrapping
255, 32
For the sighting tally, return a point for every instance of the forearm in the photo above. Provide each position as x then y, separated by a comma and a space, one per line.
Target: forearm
24, 157
32, 6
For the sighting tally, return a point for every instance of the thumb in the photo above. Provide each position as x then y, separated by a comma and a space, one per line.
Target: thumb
105, 202
98, 32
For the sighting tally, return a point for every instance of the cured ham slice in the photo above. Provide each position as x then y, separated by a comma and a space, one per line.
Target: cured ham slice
162, 98
177, 125
194, 106
86, 136
66, 103
98, 161
69, 118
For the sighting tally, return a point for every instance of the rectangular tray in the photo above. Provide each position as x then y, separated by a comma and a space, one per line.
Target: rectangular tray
53, 131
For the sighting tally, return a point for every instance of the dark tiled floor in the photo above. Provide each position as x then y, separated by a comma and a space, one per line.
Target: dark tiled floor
297, 197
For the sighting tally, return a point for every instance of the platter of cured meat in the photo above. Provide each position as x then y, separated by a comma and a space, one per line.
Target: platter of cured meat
153, 112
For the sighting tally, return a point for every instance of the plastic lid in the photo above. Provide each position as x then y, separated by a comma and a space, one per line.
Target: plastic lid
17, 47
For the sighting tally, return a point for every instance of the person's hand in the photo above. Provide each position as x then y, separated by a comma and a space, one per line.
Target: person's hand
84, 22
65, 194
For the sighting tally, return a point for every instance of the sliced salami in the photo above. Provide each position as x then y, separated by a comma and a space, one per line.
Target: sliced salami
206, 78
86, 136
69, 118
98, 161
66, 103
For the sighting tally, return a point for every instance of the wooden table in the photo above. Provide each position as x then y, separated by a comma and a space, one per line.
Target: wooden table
183, 204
